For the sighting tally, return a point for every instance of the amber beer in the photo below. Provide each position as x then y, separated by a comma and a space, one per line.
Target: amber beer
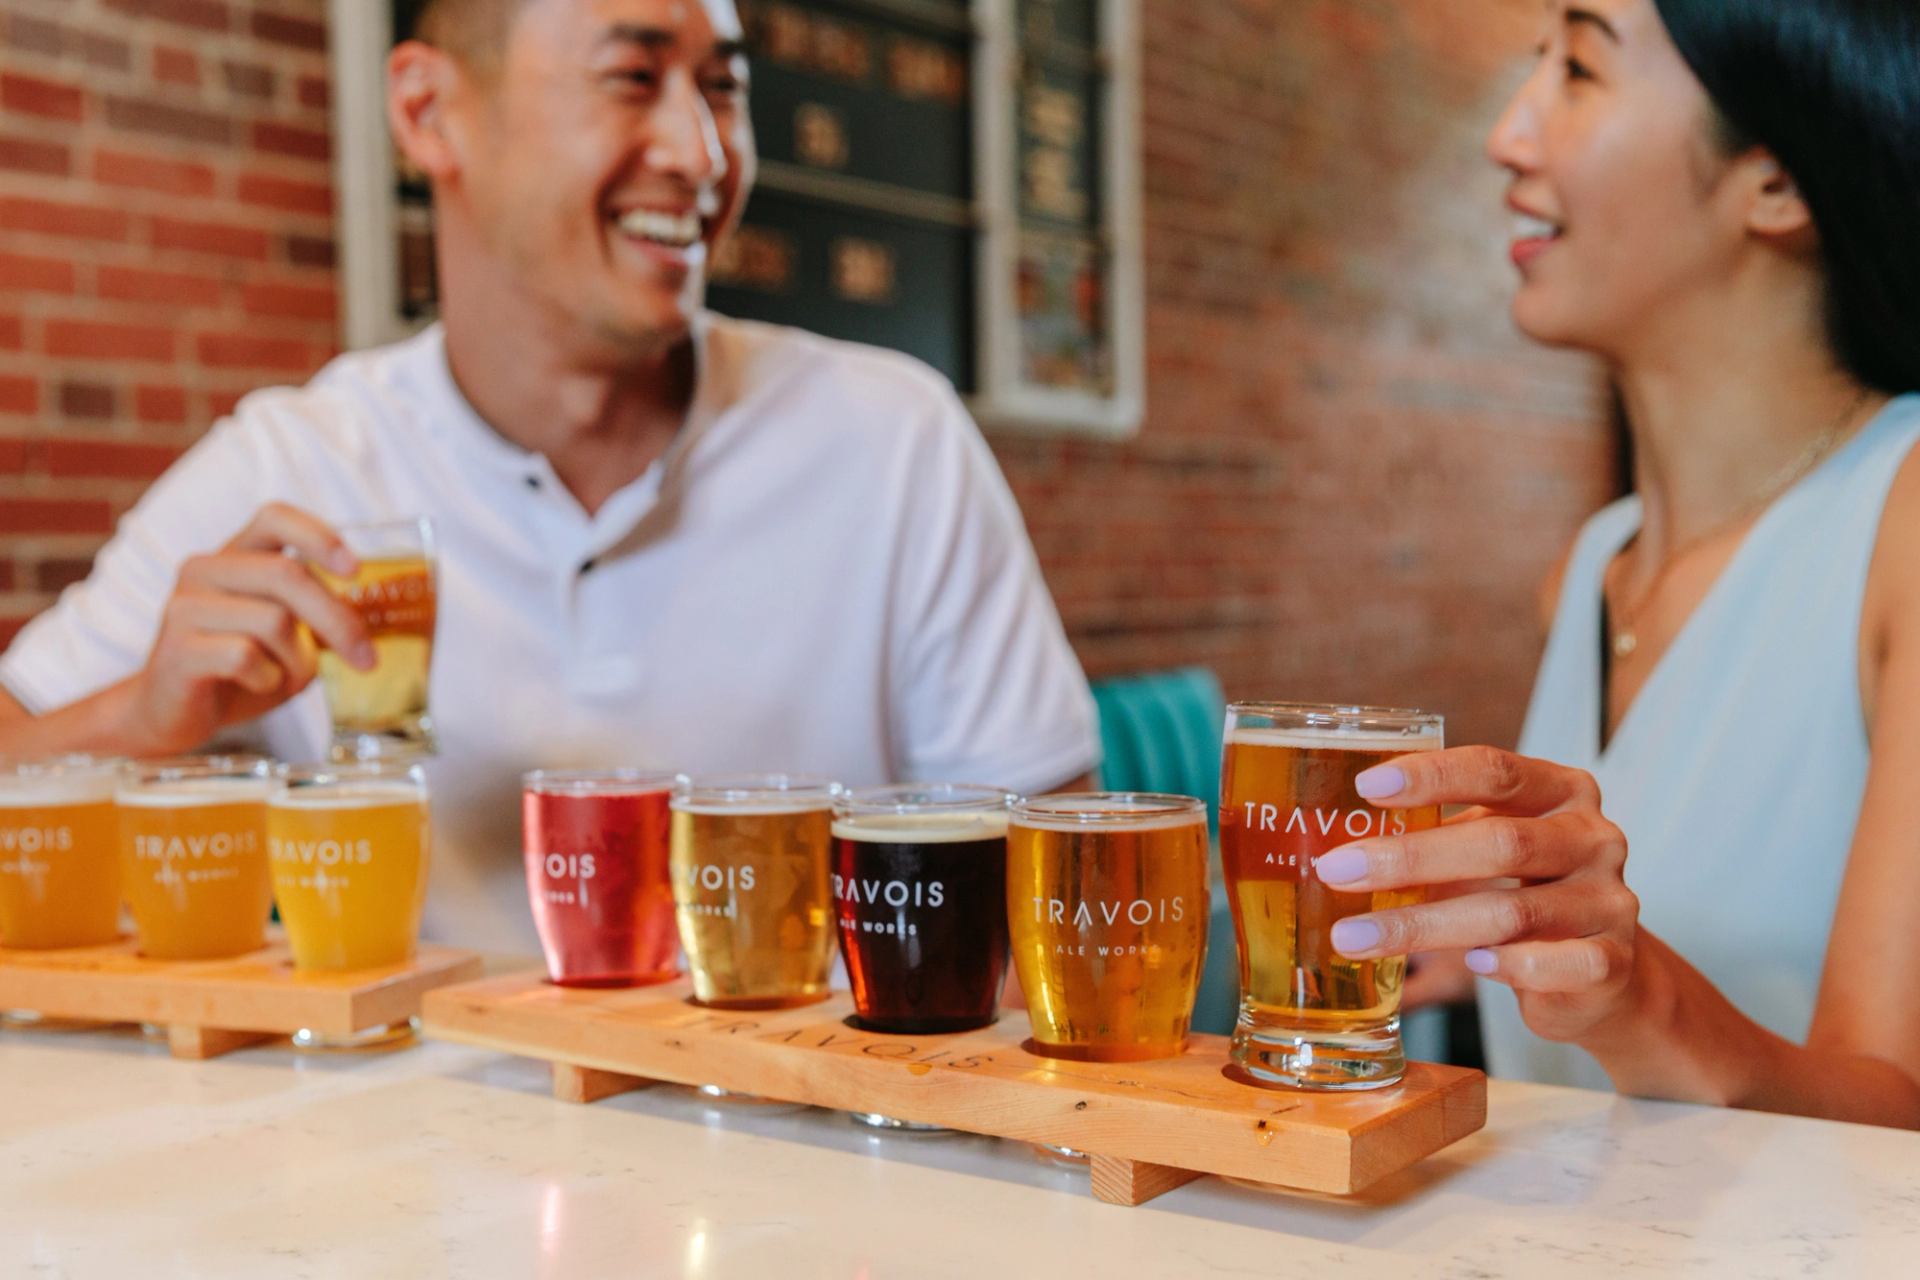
1309, 1017
750, 859
193, 855
348, 845
1107, 899
920, 895
383, 712
59, 853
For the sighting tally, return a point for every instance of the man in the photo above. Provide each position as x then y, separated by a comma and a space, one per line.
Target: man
666, 538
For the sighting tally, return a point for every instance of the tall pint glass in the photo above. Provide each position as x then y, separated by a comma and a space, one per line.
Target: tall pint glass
1310, 1017
1107, 905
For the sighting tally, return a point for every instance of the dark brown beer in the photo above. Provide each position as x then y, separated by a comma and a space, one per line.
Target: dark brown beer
921, 901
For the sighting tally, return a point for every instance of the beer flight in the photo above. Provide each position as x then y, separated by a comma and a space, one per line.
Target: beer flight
1099, 901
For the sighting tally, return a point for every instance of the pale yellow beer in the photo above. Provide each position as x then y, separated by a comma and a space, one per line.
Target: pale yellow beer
751, 860
59, 853
1309, 1016
193, 855
349, 846
1107, 907
384, 711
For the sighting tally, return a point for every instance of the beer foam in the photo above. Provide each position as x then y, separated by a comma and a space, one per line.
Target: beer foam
1338, 739
188, 793
353, 795
1105, 815
47, 790
762, 809
921, 828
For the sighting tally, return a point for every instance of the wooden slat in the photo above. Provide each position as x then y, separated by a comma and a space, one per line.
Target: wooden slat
590, 1084
1180, 1113
1134, 1182
258, 992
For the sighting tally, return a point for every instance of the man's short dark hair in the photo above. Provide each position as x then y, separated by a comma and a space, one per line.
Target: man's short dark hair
475, 31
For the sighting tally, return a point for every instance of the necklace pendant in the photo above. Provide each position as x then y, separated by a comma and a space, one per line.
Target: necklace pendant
1624, 644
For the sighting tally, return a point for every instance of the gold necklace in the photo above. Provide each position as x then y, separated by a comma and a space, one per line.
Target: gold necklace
1625, 623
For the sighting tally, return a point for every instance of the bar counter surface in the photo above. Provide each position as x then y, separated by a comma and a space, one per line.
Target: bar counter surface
442, 1160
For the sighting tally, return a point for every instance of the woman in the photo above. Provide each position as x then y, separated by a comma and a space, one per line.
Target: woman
1719, 200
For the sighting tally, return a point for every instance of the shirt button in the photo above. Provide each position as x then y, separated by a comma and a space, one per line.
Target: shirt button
533, 483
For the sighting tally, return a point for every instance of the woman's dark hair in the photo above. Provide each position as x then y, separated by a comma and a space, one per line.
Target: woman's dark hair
1832, 89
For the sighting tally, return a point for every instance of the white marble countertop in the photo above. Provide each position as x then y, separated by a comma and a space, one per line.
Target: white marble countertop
441, 1160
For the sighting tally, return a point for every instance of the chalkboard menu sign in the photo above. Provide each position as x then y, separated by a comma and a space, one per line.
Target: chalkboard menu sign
956, 179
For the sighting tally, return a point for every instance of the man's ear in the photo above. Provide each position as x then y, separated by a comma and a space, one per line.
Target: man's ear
1775, 208
421, 84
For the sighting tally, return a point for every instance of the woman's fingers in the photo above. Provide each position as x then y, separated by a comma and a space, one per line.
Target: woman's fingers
1572, 965
1488, 848
1564, 909
1500, 780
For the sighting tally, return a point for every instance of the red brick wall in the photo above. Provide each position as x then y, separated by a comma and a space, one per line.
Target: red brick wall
1352, 471
165, 245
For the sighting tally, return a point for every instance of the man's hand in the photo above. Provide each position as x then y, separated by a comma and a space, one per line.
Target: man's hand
230, 646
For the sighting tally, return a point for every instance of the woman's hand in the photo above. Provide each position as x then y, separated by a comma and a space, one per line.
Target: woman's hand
1556, 923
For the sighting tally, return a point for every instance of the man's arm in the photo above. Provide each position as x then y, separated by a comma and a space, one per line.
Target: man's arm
229, 649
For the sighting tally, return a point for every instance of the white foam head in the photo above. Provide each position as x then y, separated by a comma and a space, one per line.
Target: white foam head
370, 794
922, 828
69, 781
1335, 738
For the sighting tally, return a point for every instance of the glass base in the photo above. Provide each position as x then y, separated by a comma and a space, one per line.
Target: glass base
392, 1035
408, 741
28, 1020
1068, 1157
1367, 1056
734, 1098
874, 1120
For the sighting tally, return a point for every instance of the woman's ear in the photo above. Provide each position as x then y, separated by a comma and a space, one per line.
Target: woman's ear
1775, 207
421, 83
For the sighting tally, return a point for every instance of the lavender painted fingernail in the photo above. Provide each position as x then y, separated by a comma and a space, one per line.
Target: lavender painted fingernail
343, 561
1380, 783
1482, 961
1357, 934
364, 657
1343, 866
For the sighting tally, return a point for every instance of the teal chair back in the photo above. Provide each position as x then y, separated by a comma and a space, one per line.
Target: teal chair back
1161, 732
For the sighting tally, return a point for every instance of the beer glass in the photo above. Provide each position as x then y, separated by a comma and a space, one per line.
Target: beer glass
59, 853
1107, 899
383, 712
596, 854
193, 854
1310, 1017
750, 857
348, 845
920, 894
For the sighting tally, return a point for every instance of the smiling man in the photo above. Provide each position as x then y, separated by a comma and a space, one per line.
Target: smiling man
667, 538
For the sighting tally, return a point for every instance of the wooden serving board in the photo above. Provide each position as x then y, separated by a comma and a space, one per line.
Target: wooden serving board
1148, 1126
211, 1007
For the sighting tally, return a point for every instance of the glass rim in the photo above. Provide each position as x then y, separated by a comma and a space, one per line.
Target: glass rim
1341, 714
391, 768
139, 775
619, 780
68, 764
1107, 809
902, 798
796, 792
423, 525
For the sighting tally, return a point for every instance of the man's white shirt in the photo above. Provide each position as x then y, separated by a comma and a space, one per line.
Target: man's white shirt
825, 574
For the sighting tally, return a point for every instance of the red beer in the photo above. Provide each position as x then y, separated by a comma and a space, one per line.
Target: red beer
596, 849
